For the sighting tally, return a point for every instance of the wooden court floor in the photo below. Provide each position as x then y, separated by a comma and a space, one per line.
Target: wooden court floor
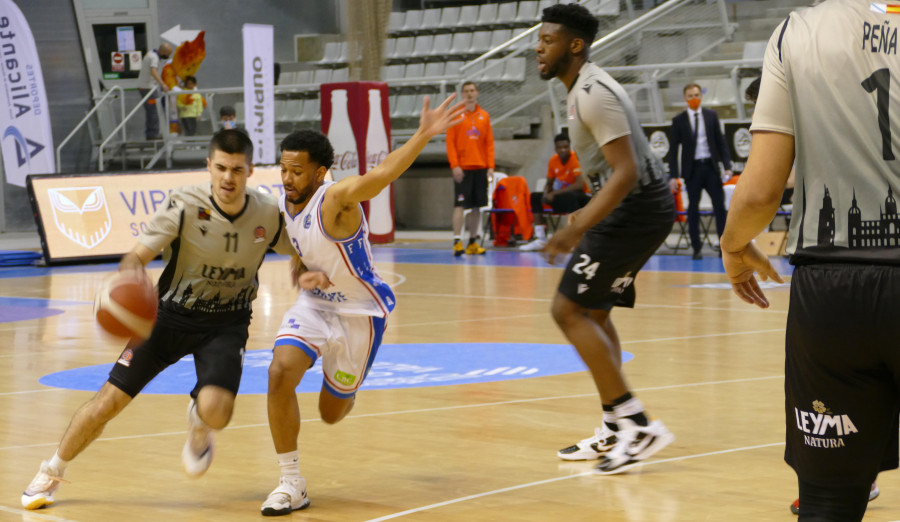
706, 364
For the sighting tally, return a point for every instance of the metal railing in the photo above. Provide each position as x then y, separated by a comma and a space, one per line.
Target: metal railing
87, 117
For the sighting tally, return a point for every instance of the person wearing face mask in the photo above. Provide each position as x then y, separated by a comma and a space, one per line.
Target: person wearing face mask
148, 79
702, 142
228, 117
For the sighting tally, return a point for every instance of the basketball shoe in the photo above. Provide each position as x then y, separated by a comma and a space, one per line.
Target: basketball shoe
474, 249
458, 249
591, 448
635, 444
40, 492
873, 494
196, 464
533, 246
290, 495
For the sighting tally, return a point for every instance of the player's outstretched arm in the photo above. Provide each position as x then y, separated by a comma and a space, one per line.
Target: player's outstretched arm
136, 260
355, 189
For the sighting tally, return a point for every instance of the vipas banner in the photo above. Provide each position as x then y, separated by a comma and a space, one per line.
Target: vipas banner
26, 140
259, 91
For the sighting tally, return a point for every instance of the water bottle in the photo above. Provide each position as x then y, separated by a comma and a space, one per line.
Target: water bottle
340, 134
381, 220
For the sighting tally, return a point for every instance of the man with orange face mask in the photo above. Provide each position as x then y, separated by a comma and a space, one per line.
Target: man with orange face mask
703, 147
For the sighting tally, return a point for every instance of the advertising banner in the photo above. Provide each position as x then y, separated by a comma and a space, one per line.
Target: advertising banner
738, 138
259, 91
26, 141
84, 217
356, 119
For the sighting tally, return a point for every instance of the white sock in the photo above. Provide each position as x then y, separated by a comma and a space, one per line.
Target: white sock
540, 231
290, 464
58, 464
609, 420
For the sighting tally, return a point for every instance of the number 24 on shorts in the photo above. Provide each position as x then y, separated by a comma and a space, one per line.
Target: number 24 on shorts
586, 268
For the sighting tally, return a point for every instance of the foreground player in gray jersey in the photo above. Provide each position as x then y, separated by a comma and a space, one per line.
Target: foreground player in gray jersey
828, 99
628, 217
215, 236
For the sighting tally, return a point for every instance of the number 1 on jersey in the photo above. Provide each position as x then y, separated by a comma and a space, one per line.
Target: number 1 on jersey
880, 83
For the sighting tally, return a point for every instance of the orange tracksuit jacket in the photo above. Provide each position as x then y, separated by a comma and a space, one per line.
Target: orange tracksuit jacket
470, 144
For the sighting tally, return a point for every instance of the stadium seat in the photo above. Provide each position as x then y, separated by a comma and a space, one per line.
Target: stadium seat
422, 46
311, 110
414, 70
515, 70
493, 70
468, 17
441, 46
481, 42
340, 75
500, 37
321, 76
460, 44
452, 67
527, 13
434, 69
395, 22
403, 48
487, 14
393, 72
506, 14
449, 18
303, 77
413, 21
431, 20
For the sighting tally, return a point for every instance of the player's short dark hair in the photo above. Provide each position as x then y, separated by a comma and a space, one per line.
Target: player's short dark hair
691, 86
231, 141
314, 143
227, 110
576, 19
562, 136
469, 83
752, 92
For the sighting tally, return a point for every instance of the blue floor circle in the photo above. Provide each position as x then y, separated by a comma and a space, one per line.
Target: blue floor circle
396, 366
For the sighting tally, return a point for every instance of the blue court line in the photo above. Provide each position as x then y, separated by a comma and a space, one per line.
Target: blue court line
431, 256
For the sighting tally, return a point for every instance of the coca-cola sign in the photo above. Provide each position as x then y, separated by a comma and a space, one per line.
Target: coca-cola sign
375, 158
347, 160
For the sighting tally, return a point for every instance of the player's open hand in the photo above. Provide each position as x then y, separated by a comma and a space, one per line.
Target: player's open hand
314, 279
740, 267
436, 121
561, 243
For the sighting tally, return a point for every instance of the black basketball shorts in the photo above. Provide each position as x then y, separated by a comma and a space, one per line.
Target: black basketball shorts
601, 271
842, 372
218, 357
471, 192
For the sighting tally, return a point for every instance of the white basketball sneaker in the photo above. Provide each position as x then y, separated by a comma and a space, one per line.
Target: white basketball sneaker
592, 448
196, 464
635, 444
533, 246
290, 495
40, 492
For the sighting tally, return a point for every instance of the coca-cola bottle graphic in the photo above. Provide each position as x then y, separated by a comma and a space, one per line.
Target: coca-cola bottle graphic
381, 221
340, 134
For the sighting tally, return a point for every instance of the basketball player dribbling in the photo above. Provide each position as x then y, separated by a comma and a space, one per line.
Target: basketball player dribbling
210, 232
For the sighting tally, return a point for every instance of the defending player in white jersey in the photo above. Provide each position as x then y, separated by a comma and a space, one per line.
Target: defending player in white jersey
341, 312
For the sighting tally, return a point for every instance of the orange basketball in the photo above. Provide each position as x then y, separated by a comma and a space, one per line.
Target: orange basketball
125, 305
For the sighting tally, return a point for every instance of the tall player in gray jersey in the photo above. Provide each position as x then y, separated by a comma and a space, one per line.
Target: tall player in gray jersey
341, 312
628, 217
214, 238
831, 80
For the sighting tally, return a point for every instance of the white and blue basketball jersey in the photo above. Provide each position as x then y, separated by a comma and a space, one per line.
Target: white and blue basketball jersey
358, 289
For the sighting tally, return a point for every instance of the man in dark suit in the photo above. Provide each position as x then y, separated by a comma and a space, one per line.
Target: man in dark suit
702, 149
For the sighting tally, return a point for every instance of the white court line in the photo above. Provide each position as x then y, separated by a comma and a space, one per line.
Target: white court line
478, 320
23, 392
31, 515
558, 479
420, 410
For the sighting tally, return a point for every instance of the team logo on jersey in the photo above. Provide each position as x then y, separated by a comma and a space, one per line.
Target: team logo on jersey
259, 234
203, 229
81, 214
203, 213
571, 112
307, 221
126, 357
742, 139
659, 144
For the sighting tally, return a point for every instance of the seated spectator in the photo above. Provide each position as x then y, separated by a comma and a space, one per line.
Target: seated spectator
564, 193
228, 117
190, 107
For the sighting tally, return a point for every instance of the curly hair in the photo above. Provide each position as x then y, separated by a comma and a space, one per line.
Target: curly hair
231, 141
314, 143
576, 18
